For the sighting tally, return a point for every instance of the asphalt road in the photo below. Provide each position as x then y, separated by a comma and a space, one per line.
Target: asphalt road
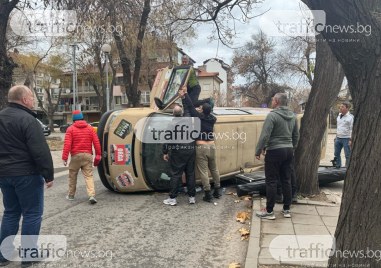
137, 230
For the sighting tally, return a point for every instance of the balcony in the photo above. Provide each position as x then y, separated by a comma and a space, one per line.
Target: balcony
83, 108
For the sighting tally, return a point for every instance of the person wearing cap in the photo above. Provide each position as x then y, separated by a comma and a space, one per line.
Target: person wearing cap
79, 141
26, 164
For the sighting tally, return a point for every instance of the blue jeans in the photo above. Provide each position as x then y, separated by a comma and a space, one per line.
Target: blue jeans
339, 144
22, 195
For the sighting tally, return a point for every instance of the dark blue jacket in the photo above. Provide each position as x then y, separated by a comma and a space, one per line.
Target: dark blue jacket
23, 147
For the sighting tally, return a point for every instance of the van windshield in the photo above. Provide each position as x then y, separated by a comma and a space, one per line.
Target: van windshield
156, 170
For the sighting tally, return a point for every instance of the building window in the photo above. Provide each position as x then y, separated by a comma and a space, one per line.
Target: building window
144, 97
119, 80
118, 100
39, 82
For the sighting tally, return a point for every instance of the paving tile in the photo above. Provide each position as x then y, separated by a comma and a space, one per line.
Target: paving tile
263, 261
265, 254
266, 240
307, 219
309, 229
330, 221
273, 227
279, 241
281, 219
328, 211
306, 264
304, 209
331, 229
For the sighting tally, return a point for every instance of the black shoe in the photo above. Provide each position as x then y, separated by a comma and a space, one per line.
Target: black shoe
217, 192
159, 103
208, 197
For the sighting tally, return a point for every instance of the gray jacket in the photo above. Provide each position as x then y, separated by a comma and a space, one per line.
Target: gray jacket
280, 130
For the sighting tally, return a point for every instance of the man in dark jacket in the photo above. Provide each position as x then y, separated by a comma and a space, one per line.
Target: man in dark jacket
25, 165
279, 137
181, 158
205, 147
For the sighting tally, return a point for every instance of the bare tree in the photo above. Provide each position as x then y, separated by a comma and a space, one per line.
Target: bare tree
6, 64
296, 58
258, 62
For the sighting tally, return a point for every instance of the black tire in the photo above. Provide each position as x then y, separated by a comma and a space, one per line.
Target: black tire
101, 170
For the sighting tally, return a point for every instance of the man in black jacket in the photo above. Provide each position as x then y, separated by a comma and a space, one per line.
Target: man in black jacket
205, 147
181, 157
25, 165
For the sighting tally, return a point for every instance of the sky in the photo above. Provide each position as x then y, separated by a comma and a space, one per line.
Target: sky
201, 49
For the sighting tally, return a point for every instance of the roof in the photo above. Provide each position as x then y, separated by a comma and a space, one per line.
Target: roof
223, 64
202, 73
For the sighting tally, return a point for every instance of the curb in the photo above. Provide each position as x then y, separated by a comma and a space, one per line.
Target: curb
254, 248
315, 203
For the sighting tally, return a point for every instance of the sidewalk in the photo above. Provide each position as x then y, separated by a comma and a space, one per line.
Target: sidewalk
308, 218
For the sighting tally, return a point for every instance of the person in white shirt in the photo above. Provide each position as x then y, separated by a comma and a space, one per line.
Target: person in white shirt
344, 134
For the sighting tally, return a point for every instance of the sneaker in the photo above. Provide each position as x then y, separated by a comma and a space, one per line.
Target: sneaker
263, 214
92, 200
70, 197
192, 200
159, 103
170, 201
286, 213
295, 199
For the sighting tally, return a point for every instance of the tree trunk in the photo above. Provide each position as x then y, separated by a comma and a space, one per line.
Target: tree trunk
131, 84
138, 53
326, 85
359, 225
6, 65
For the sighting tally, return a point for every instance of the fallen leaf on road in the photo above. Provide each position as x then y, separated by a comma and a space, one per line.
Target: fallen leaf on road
244, 233
235, 265
237, 201
242, 216
247, 198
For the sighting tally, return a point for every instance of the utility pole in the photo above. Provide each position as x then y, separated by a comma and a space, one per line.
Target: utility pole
106, 49
74, 78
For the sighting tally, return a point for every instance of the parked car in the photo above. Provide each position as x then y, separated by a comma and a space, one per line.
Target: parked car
63, 128
95, 126
45, 128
